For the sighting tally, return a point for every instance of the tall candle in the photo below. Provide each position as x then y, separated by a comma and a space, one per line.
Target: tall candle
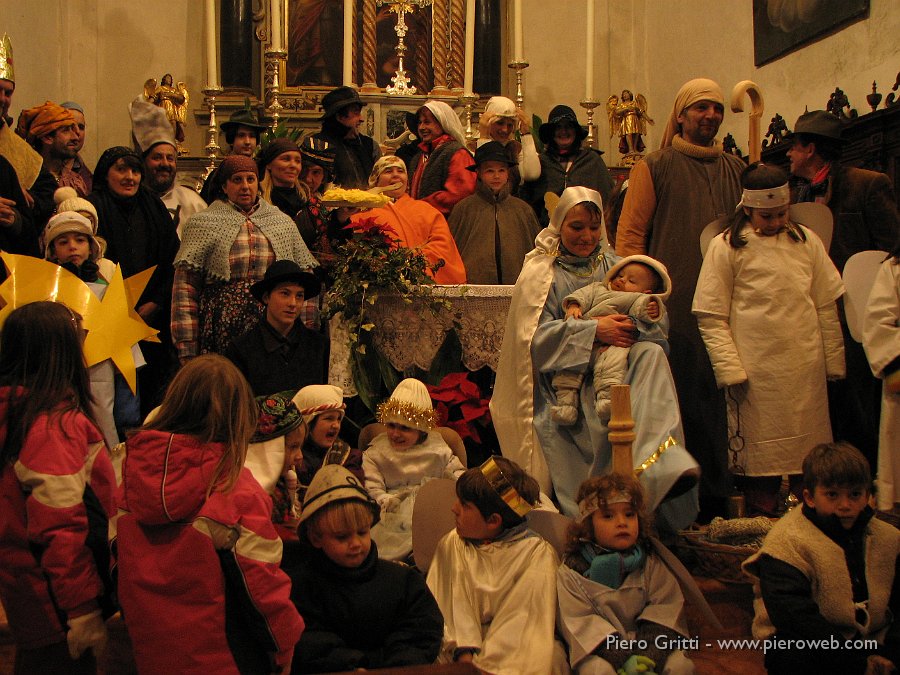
277, 26
470, 47
348, 42
589, 51
518, 52
212, 51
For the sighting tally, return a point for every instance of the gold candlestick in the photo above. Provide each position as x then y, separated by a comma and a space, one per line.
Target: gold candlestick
519, 66
212, 134
469, 100
273, 67
590, 104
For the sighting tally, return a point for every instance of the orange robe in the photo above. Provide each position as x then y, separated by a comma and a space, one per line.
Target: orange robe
421, 226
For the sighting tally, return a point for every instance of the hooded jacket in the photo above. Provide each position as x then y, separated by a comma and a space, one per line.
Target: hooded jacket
201, 573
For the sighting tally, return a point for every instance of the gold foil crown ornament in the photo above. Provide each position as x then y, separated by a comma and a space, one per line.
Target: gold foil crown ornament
6, 60
501, 485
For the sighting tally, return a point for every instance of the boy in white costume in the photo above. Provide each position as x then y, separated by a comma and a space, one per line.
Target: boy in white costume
493, 578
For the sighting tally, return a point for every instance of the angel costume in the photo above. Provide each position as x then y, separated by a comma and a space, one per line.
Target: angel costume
538, 342
590, 612
881, 339
400, 473
499, 598
767, 314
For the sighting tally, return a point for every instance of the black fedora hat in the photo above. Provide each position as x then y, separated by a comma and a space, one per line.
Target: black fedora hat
338, 99
283, 271
561, 114
493, 151
242, 118
819, 123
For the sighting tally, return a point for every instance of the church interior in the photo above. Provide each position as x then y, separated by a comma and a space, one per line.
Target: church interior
774, 60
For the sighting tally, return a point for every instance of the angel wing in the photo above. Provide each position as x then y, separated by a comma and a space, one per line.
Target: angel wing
181, 108
150, 89
611, 104
641, 103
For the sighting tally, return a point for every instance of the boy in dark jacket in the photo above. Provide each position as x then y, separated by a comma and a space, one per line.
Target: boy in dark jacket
360, 611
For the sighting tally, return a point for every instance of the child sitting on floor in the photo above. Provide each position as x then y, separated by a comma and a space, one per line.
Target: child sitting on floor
398, 461
360, 612
493, 578
613, 591
635, 287
825, 574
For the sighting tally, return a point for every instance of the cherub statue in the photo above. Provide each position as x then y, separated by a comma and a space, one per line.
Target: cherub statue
174, 100
629, 118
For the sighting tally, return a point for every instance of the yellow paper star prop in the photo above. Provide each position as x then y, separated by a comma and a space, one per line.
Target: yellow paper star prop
112, 324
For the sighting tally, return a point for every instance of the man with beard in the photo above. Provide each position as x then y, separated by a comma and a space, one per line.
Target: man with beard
672, 195
156, 141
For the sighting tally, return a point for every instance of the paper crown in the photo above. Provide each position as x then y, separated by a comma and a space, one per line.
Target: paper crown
766, 199
501, 485
6, 60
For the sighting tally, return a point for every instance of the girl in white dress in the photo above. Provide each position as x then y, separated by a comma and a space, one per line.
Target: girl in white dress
765, 305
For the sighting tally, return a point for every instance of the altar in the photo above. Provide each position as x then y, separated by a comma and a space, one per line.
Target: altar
408, 335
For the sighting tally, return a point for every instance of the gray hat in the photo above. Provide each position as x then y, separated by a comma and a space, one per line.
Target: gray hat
333, 483
819, 123
150, 124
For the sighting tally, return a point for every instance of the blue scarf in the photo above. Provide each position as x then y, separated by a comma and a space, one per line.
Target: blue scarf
611, 567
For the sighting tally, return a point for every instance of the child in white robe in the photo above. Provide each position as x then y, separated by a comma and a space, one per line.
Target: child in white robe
493, 578
620, 608
398, 461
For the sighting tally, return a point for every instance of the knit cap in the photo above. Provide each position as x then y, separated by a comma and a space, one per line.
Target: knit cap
65, 223
315, 399
333, 483
278, 416
68, 200
409, 405
384, 163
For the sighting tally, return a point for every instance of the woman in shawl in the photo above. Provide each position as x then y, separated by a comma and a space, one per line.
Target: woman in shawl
139, 234
539, 341
225, 249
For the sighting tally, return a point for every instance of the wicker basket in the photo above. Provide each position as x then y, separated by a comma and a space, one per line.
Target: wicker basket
713, 560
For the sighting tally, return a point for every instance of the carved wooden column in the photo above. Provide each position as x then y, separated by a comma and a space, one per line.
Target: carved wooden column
621, 429
368, 46
440, 47
457, 42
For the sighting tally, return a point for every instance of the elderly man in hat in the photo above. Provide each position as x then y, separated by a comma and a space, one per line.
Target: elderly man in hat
50, 130
865, 218
672, 195
156, 141
355, 153
242, 132
565, 162
281, 353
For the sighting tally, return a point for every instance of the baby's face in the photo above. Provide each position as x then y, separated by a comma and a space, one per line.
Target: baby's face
633, 278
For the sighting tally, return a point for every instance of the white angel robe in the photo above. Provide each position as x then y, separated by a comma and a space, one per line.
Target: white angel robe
498, 598
881, 339
767, 315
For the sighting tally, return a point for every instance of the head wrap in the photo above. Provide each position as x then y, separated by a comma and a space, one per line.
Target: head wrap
42, 120
592, 502
409, 405
277, 147
383, 164
315, 399
109, 157
700, 89
547, 240
448, 120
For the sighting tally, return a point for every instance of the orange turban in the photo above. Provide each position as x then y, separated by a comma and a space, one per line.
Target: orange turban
43, 119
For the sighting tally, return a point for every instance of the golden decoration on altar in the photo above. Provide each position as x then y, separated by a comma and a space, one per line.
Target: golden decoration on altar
112, 324
628, 117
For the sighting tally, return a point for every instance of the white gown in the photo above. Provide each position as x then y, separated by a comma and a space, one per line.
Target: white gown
767, 315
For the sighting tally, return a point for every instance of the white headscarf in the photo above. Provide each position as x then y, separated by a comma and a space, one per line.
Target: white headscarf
448, 120
700, 89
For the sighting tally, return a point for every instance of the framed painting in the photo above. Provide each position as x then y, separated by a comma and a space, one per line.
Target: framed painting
783, 26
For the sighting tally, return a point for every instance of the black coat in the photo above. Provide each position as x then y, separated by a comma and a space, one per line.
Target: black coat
378, 615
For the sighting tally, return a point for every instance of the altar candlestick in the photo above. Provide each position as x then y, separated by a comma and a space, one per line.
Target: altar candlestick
212, 51
348, 42
470, 47
277, 26
589, 69
518, 52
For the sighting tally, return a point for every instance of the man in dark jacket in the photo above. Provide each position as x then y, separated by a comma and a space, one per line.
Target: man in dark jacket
280, 353
355, 153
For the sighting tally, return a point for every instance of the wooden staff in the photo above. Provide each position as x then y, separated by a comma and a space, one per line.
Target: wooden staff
621, 429
737, 105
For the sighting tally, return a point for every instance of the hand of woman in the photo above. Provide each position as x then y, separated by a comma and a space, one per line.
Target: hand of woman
616, 330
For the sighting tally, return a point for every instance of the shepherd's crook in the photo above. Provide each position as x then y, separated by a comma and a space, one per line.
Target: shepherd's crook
737, 105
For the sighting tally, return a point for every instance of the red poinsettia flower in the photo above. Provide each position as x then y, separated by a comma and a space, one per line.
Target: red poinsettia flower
460, 406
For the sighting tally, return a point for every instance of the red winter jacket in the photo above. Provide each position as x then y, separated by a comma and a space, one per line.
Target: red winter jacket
199, 580
54, 502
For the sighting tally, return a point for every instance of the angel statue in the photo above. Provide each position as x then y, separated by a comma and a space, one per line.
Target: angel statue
629, 118
174, 100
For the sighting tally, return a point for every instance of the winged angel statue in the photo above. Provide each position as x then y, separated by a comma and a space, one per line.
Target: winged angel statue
174, 100
628, 117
